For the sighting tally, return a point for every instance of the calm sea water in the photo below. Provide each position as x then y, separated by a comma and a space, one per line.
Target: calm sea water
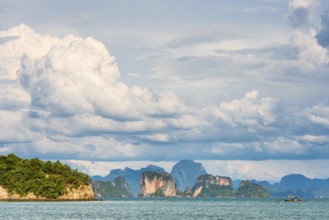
168, 209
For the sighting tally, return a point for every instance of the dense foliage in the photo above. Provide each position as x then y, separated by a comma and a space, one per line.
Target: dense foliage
187, 193
213, 190
106, 189
158, 193
157, 175
117, 188
43, 179
251, 190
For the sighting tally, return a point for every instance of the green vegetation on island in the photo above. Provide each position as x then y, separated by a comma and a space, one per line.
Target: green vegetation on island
44, 179
214, 186
248, 189
117, 188
217, 191
187, 193
158, 193
158, 175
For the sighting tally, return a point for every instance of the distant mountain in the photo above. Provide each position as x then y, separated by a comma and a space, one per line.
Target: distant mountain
236, 183
117, 188
186, 172
298, 181
130, 175
298, 185
97, 178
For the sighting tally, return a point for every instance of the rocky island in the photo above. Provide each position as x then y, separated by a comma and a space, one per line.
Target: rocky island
117, 188
34, 179
156, 184
248, 189
213, 186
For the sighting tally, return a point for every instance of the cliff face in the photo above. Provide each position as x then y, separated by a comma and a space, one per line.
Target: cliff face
157, 184
84, 192
213, 186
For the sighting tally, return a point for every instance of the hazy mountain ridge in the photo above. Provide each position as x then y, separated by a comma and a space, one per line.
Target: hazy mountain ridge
131, 176
186, 172
298, 185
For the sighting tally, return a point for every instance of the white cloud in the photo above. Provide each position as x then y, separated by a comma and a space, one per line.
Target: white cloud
93, 148
13, 127
66, 99
70, 87
13, 97
302, 3
318, 114
321, 139
25, 41
156, 137
283, 145
311, 56
72, 75
250, 111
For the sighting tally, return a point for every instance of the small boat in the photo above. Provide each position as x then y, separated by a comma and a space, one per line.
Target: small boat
292, 199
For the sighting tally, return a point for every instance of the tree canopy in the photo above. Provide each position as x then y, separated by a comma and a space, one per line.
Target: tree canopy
43, 179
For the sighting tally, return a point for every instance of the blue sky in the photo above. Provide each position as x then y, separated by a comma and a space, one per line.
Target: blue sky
241, 86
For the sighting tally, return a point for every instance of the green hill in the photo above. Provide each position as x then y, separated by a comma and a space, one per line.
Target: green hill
208, 186
117, 188
44, 179
248, 189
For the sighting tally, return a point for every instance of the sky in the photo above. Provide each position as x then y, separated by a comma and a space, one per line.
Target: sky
241, 86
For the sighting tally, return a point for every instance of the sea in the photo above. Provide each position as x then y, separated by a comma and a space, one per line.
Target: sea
168, 208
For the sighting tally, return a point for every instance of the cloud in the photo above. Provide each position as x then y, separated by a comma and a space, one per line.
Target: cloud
323, 35
319, 114
72, 76
300, 12
311, 56
249, 9
62, 98
13, 128
321, 139
63, 90
248, 111
216, 68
